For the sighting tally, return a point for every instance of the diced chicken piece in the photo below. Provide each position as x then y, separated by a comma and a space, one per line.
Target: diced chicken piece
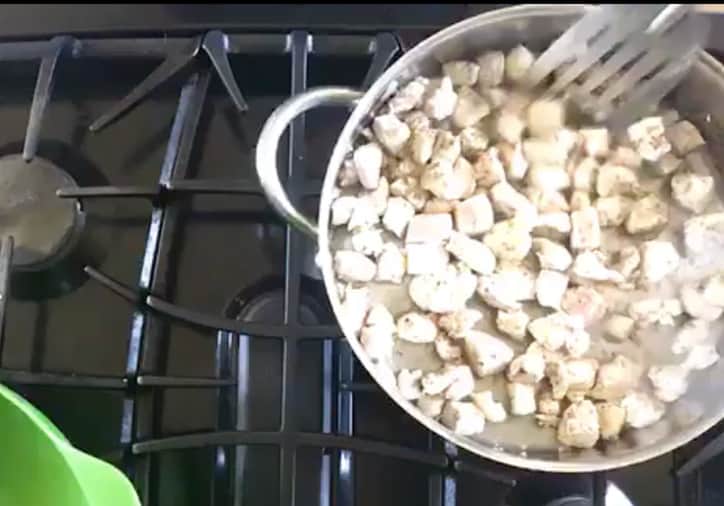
474, 216
486, 354
527, 368
704, 233
431, 405
615, 180
409, 188
509, 127
509, 202
579, 427
581, 374
517, 63
642, 410
701, 357
378, 197
627, 157
342, 209
473, 141
559, 222
511, 155
545, 152
368, 242
669, 381
355, 303
507, 287
488, 169
577, 343
580, 200
612, 211
446, 350
353, 266
438, 382
462, 386
474, 254
714, 290
555, 330
429, 228
408, 382
469, 109
684, 137
417, 120
416, 328
545, 117
435, 206
585, 302
463, 418
447, 147
368, 163
557, 374
377, 335
392, 133
390, 264
585, 229
496, 97
426, 258
616, 378
510, 239
550, 287
649, 139
693, 333
549, 177
628, 261
493, 410
347, 174
647, 215
422, 143
596, 141
667, 164
440, 103
398, 214
457, 324
589, 265
461, 72
659, 259
611, 418
513, 323
522, 398
619, 327
449, 182
585, 173
492, 68
547, 405
410, 96
546, 201
364, 214
692, 191
444, 291
552, 255
649, 311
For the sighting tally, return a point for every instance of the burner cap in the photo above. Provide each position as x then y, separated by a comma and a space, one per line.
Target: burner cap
40, 222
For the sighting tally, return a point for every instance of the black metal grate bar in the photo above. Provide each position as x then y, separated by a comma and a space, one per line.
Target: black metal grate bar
710, 450
7, 245
108, 192
385, 47
216, 45
148, 380
62, 380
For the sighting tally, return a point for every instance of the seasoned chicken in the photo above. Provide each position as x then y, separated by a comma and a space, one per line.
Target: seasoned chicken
474, 254
364, 214
417, 120
714, 290
669, 381
667, 164
470, 108
684, 137
619, 327
579, 200
462, 386
474, 216
438, 382
522, 398
628, 261
704, 233
368, 241
422, 143
492, 68
641, 410
696, 304
416, 328
596, 141
377, 335
649, 311
391, 132
551, 255
463, 418
510, 239
449, 181
585, 229
493, 410
408, 383
658, 260
508, 202
397, 216
446, 350
355, 303
557, 222
368, 160
444, 291
547, 201
550, 288
461, 72
611, 418
473, 142
589, 265
701, 357
509, 127
585, 302
426, 258
517, 63
615, 180
527, 368
647, 215
579, 427
556, 329
447, 148
616, 378
545, 117
342, 208
390, 264
457, 324
613, 211
441, 102
584, 175
429, 228
486, 354
627, 157
692, 191
649, 139
488, 169
409, 188
512, 323
692, 333
353, 266
507, 287
410, 96
545, 152
549, 178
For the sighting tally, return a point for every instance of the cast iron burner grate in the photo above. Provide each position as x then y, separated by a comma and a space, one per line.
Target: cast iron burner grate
192, 61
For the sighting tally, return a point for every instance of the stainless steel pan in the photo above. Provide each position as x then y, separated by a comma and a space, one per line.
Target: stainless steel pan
700, 98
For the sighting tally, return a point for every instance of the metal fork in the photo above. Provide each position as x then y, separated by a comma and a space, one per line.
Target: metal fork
626, 58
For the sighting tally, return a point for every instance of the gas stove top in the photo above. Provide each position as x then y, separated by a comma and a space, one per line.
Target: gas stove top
164, 316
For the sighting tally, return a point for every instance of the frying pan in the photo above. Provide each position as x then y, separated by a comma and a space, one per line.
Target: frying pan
700, 98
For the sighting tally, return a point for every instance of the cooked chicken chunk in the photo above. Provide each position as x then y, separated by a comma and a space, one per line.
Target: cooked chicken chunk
589, 265
355, 303
492, 68
426, 258
446, 350
641, 410
364, 214
429, 228
649, 139
342, 209
559, 223
441, 102
431, 405
627, 157
579, 427
628, 261
353, 266
347, 174
585, 229
463, 418
417, 120
512, 323
551, 255
701, 357
545, 117
507, 287
416, 328
457, 324
368, 241
509, 202
368, 160
550, 288
546, 201
390, 264
549, 178
461, 72
658, 260
616, 378
585, 302
619, 327
612, 211
669, 381
439, 382
714, 290
444, 291
493, 410
488, 169
693, 333
696, 304
514, 162
527, 368
596, 141
408, 382
692, 191
439, 206
409, 188
581, 374
649, 311
470, 108
545, 152
422, 143
517, 63
547, 405
392, 133
397, 216
485, 353
584, 175
473, 142
647, 215
522, 398
704, 233
377, 335
611, 418
509, 127
474, 254
615, 180
474, 216
555, 330
410, 96
510, 239
684, 137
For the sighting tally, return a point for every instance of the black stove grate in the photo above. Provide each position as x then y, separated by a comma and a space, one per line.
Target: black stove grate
194, 59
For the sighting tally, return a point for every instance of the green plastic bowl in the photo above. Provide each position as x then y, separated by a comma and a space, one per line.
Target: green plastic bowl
39, 467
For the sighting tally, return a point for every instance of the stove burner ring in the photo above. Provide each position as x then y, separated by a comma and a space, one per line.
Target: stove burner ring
41, 224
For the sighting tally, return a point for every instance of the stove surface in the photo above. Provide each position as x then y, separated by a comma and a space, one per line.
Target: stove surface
179, 330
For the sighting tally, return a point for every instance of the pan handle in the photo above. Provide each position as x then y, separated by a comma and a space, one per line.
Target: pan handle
268, 145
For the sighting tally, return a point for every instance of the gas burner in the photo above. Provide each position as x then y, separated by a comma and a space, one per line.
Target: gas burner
41, 224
